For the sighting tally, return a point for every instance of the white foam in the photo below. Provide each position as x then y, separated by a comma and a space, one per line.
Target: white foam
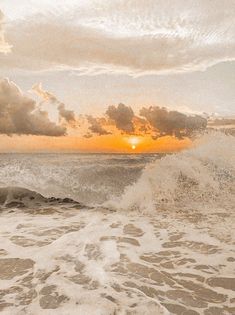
205, 173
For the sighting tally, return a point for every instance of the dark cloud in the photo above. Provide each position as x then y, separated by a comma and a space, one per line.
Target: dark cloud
122, 116
96, 126
154, 121
64, 113
172, 123
20, 115
88, 135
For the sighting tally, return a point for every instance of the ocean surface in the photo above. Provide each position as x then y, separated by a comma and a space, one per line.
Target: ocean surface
102, 234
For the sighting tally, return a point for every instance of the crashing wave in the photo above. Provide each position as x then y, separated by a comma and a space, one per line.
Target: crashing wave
198, 177
202, 176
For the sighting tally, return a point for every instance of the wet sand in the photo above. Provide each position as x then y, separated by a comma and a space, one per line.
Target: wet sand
63, 260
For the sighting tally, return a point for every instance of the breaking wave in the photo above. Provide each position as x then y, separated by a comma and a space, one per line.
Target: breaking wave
201, 176
87, 178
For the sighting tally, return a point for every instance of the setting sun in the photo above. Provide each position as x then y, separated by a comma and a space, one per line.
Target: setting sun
133, 142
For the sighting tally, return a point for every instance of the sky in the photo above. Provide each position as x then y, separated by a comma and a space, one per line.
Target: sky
114, 75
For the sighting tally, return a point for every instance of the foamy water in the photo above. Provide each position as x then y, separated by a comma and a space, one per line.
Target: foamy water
139, 235
87, 178
203, 175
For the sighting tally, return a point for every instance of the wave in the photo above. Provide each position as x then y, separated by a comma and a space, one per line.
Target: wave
200, 177
90, 179
18, 197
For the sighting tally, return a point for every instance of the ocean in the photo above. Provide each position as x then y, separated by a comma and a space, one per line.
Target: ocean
114, 234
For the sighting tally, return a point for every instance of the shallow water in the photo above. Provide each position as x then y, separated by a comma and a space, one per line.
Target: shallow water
70, 261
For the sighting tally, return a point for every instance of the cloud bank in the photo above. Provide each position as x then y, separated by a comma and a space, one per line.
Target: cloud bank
154, 121
172, 123
132, 36
20, 114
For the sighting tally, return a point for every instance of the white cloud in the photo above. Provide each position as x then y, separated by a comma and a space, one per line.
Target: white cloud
4, 46
64, 114
135, 37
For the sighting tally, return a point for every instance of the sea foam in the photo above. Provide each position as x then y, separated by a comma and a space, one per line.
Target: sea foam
204, 173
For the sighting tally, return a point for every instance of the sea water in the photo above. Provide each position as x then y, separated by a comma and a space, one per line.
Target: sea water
102, 234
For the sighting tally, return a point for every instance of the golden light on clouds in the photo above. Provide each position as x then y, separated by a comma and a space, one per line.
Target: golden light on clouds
134, 113
118, 130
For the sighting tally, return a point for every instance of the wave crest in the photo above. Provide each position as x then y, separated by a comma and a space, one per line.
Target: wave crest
197, 177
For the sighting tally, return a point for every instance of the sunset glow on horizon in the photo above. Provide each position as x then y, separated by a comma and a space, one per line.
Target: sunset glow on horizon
98, 144
98, 76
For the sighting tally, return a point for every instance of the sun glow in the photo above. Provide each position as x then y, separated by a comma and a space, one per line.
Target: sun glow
105, 144
134, 141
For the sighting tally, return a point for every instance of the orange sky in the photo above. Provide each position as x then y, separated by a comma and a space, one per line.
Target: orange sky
97, 62
109, 144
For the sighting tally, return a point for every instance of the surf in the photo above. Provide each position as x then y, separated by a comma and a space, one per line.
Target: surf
204, 174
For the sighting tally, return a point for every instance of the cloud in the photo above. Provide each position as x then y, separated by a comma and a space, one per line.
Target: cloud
45, 95
4, 46
225, 124
96, 126
20, 114
154, 121
222, 122
132, 36
67, 115
87, 135
122, 116
172, 123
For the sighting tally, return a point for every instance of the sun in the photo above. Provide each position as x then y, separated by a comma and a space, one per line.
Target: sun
133, 141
